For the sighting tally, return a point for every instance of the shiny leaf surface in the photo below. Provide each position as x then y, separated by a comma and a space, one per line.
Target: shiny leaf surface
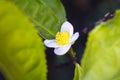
101, 60
46, 17
21, 49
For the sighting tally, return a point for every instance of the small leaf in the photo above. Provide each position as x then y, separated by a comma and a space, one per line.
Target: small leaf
101, 60
47, 18
21, 49
78, 72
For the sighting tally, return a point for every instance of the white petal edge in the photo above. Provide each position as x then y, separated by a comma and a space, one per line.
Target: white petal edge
62, 50
51, 43
66, 26
74, 37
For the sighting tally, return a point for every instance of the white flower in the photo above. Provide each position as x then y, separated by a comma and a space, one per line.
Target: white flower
64, 39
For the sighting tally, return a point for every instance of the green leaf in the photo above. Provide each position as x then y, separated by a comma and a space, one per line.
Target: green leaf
78, 72
101, 60
21, 49
47, 16
57, 8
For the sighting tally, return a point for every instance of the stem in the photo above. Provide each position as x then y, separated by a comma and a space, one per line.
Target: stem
88, 28
73, 55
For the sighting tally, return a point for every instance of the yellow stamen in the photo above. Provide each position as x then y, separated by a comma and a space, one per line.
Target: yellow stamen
62, 38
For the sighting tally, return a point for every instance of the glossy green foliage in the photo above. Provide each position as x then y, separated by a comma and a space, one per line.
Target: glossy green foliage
21, 49
101, 60
47, 15
57, 8
78, 72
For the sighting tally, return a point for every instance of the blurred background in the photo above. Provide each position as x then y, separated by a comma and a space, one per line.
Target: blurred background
83, 14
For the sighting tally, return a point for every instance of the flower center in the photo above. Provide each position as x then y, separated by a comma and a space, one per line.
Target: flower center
62, 38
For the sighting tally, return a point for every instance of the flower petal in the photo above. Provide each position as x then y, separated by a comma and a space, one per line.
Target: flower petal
51, 43
62, 50
66, 26
74, 37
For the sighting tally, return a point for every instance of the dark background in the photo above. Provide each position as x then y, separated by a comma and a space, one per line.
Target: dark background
82, 14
